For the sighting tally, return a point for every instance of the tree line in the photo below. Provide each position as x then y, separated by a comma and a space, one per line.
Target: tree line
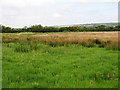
40, 28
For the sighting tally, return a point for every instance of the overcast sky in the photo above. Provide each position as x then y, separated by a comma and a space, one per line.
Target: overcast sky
20, 13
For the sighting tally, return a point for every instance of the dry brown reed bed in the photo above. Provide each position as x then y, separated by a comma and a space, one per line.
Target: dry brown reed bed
81, 36
89, 39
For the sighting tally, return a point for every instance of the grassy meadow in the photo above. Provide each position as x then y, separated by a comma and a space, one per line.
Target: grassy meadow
60, 60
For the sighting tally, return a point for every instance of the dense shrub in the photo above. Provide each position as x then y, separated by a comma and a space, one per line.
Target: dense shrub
40, 28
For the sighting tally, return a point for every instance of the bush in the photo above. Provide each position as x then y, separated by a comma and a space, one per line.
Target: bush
40, 28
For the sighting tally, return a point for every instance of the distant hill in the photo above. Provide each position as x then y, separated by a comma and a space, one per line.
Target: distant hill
88, 25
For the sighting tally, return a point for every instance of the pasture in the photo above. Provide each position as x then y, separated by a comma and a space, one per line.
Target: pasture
60, 60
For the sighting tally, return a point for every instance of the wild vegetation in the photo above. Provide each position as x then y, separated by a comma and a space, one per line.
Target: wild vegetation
60, 60
108, 40
40, 28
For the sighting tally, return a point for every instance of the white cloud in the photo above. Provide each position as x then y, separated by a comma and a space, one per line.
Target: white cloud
87, 1
12, 3
23, 3
109, 0
66, 6
19, 13
0, 15
56, 15
39, 2
79, 1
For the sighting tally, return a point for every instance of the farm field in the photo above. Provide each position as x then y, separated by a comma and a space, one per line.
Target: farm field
60, 60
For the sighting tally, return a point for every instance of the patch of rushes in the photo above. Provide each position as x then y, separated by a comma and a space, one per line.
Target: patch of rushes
110, 41
59, 67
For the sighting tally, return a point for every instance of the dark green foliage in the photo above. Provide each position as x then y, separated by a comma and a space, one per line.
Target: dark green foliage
40, 28
50, 29
34, 28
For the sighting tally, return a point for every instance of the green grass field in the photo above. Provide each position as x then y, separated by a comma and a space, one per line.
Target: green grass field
32, 33
39, 65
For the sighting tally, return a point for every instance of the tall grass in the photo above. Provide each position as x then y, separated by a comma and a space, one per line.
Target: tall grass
60, 61
107, 40
59, 67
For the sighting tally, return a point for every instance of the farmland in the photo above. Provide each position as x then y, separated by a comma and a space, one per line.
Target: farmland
60, 60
